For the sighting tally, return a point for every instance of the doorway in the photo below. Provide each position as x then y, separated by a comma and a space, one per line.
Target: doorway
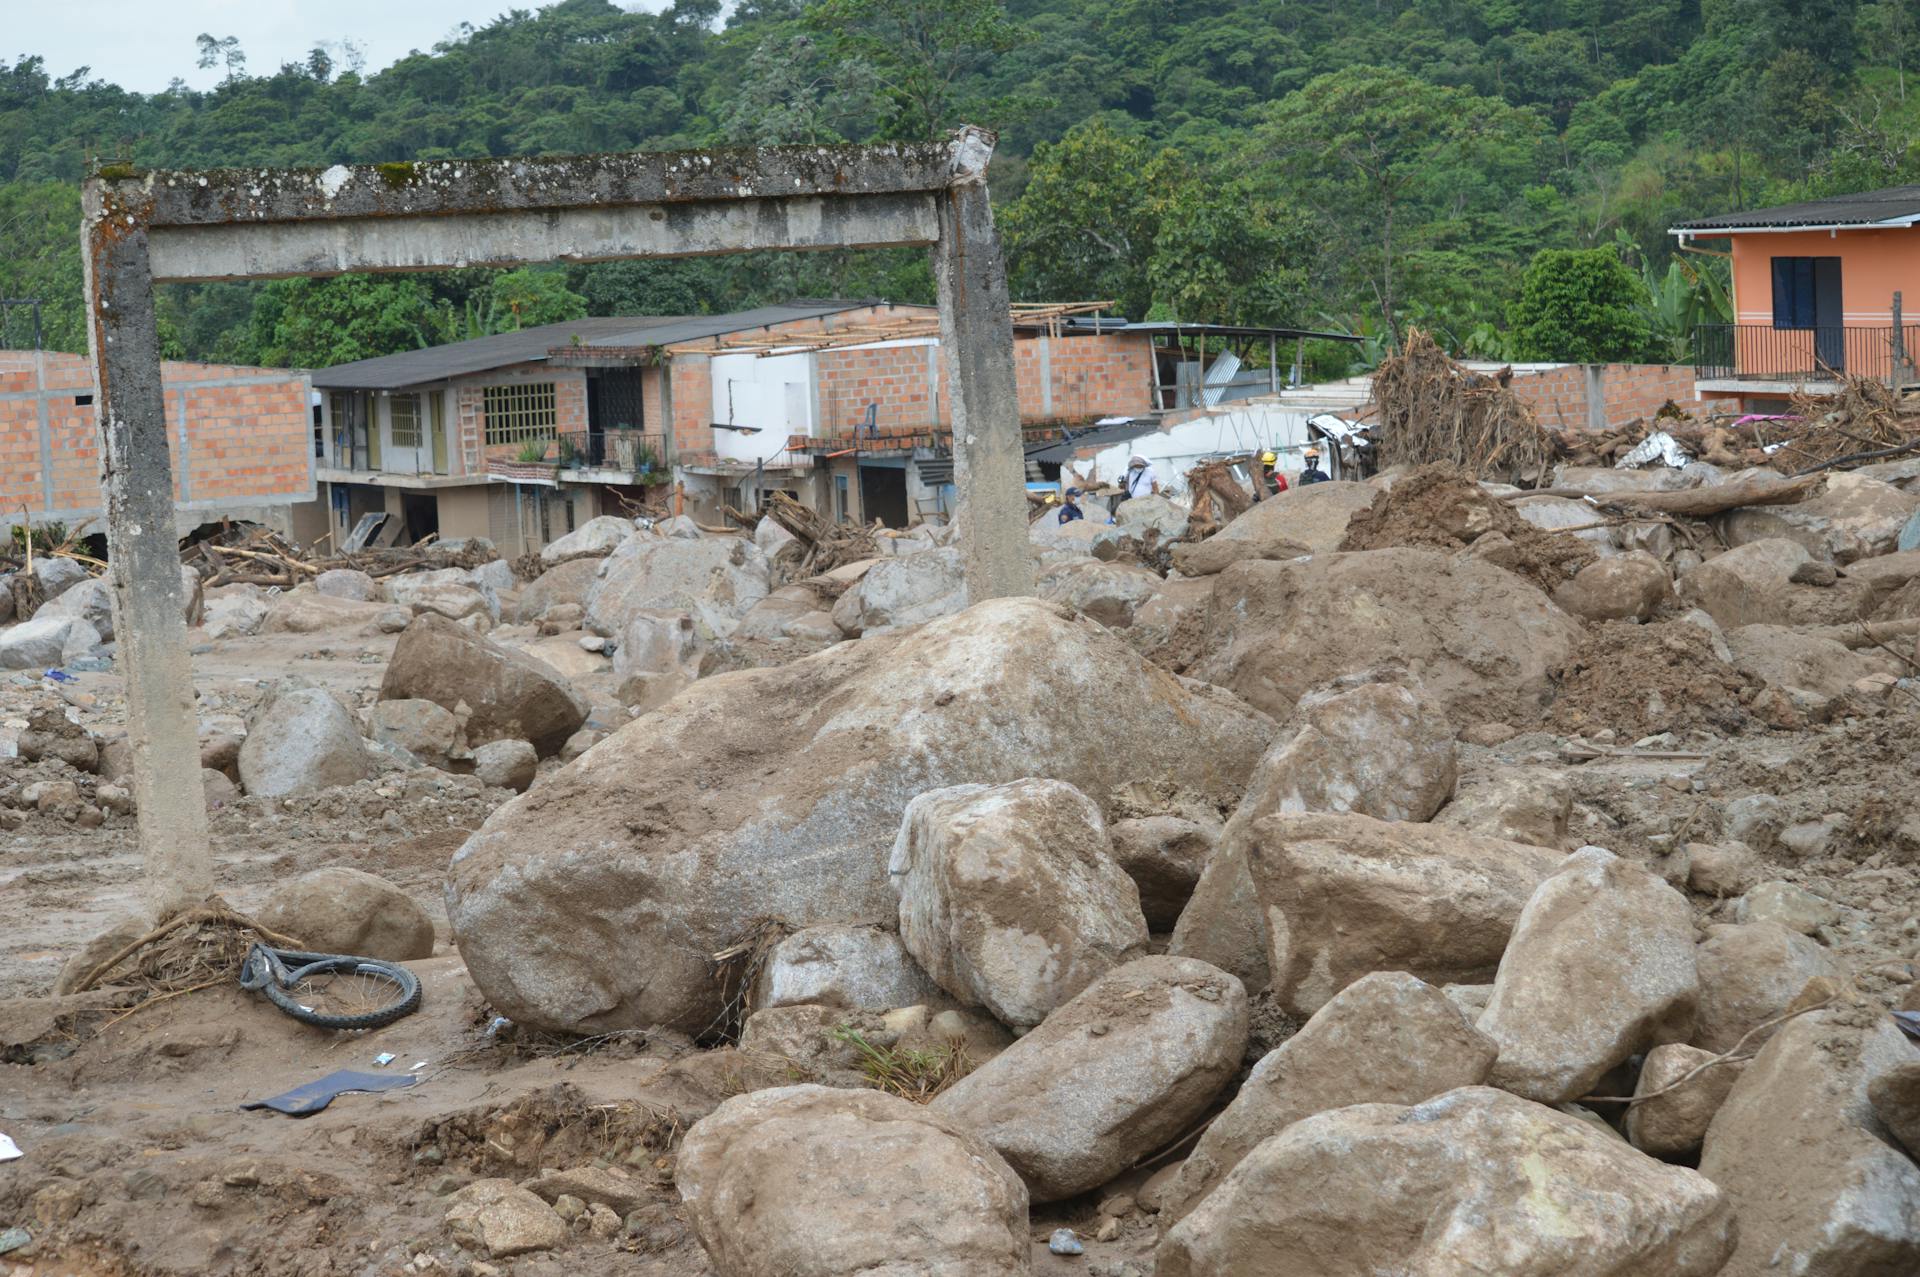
883, 494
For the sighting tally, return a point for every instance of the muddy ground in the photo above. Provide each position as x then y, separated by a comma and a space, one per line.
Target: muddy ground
138, 1158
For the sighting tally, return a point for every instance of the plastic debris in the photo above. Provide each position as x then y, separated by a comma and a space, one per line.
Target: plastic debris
1658, 446
1063, 1242
310, 1098
59, 676
498, 1023
384, 1058
8, 1149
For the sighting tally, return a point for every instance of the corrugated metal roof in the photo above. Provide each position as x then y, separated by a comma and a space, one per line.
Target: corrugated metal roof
437, 363
1104, 435
1896, 206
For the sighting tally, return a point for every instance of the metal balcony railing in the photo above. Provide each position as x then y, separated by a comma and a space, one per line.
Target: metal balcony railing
631, 452
1761, 352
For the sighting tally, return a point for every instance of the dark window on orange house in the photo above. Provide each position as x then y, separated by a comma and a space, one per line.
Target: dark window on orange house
1806, 292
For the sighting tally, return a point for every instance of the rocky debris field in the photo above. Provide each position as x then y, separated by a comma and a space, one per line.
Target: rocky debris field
1418, 876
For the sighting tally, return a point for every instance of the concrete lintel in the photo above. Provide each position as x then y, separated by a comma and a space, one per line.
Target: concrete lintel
280, 249
225, 197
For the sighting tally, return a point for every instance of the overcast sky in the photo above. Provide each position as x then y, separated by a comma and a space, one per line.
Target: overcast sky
144, 44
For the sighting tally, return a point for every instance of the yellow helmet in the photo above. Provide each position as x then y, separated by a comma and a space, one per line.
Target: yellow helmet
1269, 456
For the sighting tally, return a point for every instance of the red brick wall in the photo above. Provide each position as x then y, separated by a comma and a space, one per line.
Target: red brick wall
569, 403
248, 434
1110, 375
1558, 396
894, 377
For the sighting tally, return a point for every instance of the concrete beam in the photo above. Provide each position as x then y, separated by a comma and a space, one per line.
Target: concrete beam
227, 197
698, 228
143, 557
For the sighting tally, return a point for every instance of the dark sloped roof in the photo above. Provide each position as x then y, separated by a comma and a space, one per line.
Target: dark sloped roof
437, 363
1104, 435
1896, 204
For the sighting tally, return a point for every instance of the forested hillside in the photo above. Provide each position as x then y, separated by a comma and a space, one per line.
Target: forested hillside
1332, 162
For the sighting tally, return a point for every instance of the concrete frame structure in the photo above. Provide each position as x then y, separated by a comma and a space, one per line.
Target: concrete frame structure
142, 228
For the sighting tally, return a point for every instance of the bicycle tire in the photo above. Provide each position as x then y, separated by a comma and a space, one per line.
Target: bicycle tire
406, 990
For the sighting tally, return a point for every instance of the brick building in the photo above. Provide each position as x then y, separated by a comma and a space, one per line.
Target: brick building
243, 441
523, 436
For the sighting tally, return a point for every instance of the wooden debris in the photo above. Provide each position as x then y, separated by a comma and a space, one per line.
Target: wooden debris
1217, 498
1692, 503
827, 544
1434, 409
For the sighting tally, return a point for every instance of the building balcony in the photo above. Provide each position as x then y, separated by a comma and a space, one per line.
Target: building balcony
1760, 357
627, 457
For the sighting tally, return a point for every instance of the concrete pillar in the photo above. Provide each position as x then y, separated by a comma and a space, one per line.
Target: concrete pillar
136, 481
1596, 378
976, 332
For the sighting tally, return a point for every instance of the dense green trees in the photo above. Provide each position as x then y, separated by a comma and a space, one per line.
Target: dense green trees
1391, 163
1581, 305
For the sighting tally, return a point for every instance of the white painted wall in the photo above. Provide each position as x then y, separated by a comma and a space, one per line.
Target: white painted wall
1231, 428
769, 393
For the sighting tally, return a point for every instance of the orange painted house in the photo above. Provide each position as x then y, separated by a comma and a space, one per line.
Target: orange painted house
1814, 294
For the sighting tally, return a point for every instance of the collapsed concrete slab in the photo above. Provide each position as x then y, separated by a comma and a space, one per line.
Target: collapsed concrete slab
597, 900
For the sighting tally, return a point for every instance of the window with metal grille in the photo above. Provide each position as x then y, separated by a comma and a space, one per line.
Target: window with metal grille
519, 412
406, 421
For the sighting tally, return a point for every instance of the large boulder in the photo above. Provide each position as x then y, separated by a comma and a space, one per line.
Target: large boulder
1387, 1038
1481, 639
596, 538
342, 910
659, 641
1164, 855
1575, 518
1749, 974
1108, 1078
807, 1181
1155, 512
1309, 520
1808, 1166
1855, 517
562, 585
428, 731
506, 764
1679, 1090
1795, 662
304, 611
349, 583
450, 592
1345, 895
780, 791
1473, 1181
1624, 587
903, 591
1110, 593
300, 740
47, 641
1749, 585
56, 574
1600, 967
1520, 804
508, 695
715, 578
235, 611
1010, 897
1380, 749
862, 968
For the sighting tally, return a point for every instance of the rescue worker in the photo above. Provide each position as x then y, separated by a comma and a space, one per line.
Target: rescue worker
1270, 463
1140, 480
1312, 473
1070, 508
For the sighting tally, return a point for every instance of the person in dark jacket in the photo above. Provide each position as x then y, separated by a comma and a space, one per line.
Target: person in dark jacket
1311, 472
1070, 507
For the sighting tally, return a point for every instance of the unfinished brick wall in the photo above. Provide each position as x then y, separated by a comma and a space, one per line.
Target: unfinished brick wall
239, 436
1558, 396
907, 383
1083, 378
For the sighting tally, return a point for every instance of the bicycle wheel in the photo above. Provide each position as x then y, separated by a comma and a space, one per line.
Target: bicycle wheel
331, 991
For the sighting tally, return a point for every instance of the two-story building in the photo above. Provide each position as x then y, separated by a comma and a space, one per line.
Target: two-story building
1819, 288
522, 436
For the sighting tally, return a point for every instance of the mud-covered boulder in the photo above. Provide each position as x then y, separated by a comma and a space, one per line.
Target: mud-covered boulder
1805, 1161
1623, 587
1473, 1181
806, 1181
506, 764
594, 539
1309, 520
1010, 897
508, 695
1679, 1093
1381, 749
715, 578
342, 910
1520, 804
1751, 973
304, 611
903, 591
47, 641
1482, 639
235, 611
1387, 1038
1853, 517
863, 968
1110, 593
1108, 1078
1345, 895
1818, 668
1748, 585
428, 731
1164, 855
300, 740
780, 792
349, 583
562, 585
1600, 967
